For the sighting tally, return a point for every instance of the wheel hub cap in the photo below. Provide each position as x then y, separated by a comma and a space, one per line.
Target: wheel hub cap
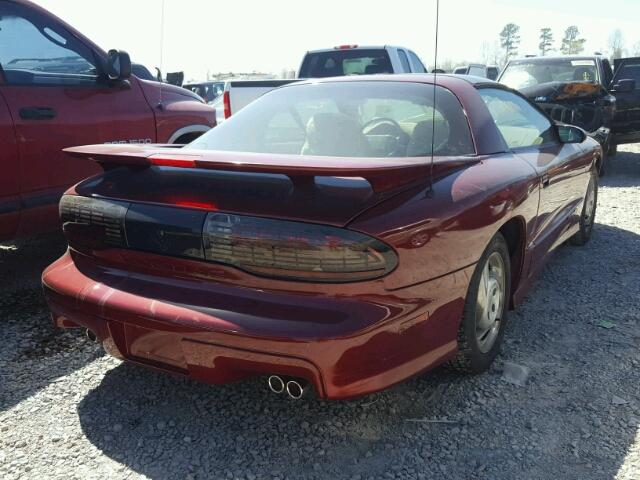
590, 204
490, 302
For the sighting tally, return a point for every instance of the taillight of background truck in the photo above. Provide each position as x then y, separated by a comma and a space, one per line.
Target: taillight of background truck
226, 101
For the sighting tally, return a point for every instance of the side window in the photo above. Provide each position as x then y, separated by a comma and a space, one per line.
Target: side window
404, 61
33, 52
519, 122
629, 71
478, 71
418, 66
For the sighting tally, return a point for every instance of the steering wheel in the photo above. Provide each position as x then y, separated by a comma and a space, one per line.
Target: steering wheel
380, 126
380, 121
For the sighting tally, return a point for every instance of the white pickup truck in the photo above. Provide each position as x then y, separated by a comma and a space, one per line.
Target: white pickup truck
332, 62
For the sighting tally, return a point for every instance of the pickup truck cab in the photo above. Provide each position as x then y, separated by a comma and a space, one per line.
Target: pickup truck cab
478, 70
356, 60
586, 92
59, 89
331, 62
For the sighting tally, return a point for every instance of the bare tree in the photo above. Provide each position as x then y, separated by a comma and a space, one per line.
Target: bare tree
572, 44
491, 53
616, 44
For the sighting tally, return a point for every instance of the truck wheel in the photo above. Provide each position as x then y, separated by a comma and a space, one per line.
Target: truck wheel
187, 138
612, 151
485, 310
604, 164
588, 215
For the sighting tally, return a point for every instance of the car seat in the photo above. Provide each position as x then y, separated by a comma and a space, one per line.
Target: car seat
334, 134
421, 138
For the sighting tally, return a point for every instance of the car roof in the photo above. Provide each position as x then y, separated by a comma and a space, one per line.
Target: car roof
429, 78
358, 47
559, 57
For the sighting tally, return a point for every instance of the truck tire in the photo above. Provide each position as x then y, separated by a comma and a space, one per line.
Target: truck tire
588, 215
187, 138
603, 166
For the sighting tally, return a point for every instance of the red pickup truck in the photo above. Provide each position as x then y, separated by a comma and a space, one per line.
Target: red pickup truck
59, 89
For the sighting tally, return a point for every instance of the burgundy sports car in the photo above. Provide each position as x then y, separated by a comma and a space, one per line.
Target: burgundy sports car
343, 234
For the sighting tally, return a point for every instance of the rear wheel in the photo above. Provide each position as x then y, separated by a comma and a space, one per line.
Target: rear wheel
588, 215
485, 312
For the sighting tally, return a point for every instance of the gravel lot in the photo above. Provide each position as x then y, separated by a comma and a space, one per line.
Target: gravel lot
69, 411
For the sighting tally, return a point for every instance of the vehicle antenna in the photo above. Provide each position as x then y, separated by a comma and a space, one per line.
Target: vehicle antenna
160, 105
435, 76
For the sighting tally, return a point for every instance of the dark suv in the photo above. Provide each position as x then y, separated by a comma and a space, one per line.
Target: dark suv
584, 91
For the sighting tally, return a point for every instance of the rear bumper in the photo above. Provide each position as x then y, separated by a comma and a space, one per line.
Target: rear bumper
345, 347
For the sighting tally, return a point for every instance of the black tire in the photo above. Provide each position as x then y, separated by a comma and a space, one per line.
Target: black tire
612, 151
588, 214
471, 358
603, 167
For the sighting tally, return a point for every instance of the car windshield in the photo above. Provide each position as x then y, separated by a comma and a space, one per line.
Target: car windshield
520, 75
347, 119
337, 63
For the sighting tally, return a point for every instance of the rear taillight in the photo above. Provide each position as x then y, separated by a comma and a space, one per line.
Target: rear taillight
273, 248
226, 103
93, 222
295, 250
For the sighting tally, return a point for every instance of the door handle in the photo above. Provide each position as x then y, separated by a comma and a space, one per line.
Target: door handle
37, 113
545, 180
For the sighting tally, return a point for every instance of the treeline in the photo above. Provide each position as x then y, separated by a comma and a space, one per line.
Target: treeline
572, 43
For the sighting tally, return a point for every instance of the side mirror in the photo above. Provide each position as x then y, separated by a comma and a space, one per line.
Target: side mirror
571, 134
624, 86
118, 65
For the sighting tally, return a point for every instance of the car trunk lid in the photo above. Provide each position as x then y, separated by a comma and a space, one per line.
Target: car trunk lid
323, 190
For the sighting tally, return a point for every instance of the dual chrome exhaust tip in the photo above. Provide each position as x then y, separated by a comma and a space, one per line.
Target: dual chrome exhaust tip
91, 335
294, 388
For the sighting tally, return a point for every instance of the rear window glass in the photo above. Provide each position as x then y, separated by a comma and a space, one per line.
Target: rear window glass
337, 63
347, 119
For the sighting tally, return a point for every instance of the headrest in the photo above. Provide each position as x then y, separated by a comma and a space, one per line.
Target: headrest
334, 134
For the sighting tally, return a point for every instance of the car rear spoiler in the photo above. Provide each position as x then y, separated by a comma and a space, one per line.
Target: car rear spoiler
383, 174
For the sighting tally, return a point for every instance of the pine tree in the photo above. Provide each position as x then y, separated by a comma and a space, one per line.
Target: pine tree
546, 41
510, 40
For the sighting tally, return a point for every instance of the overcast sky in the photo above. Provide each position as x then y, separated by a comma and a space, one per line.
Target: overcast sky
201, 35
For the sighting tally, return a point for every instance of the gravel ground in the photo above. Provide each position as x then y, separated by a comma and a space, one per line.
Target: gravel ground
69, 411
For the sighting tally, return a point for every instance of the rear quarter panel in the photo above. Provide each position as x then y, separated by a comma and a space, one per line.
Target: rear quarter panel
447, 229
